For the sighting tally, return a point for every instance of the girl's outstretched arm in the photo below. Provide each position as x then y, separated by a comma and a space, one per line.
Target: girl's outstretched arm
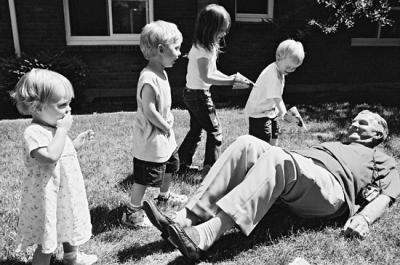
150, 109
216, 77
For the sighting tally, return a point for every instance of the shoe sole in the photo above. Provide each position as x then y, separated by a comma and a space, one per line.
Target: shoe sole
176, 239
148, 208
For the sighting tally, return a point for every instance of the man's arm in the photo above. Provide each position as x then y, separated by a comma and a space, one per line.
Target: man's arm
358, 224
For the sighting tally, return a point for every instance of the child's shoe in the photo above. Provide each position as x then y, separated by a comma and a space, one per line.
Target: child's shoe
80, 259
134, 217
173, 200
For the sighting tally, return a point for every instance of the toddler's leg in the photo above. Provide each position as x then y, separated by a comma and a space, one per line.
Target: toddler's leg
40, 258
274, 141
167, 197
166, 183
133, 216
275, 130
72, 256
137, 194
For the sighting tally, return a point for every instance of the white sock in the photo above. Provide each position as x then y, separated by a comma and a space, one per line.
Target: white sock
180, 218
211, 230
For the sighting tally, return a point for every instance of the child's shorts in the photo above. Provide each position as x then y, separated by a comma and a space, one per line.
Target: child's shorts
264, 128
152, 173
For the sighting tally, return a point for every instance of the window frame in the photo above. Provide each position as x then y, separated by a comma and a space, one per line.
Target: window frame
112, 39
378, 40
260, 17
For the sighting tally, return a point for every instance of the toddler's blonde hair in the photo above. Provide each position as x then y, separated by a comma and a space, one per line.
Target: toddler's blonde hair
36, 88
156, 33
291, 48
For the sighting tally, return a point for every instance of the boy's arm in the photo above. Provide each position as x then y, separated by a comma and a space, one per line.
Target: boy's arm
150, 109
281, 107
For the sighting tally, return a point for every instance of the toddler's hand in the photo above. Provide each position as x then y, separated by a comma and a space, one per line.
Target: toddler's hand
65, 122
83, 137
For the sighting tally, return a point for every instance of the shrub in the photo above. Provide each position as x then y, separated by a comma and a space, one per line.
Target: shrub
13, 68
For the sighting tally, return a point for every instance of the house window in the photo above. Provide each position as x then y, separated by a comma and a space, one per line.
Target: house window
254, 10
373, 34
106, 22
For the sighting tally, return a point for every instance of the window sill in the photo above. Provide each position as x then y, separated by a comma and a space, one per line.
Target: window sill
357, 42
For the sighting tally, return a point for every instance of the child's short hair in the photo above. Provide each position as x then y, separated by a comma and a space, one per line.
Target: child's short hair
290, 48
37, 87
158, 32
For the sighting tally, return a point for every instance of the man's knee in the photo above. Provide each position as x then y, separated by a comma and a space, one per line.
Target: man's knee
249, 140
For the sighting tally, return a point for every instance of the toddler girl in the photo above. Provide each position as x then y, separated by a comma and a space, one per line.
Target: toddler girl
54, 208
213, 23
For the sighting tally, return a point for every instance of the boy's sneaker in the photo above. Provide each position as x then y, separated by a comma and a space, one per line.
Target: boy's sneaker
173, 200
134, 218
80, 259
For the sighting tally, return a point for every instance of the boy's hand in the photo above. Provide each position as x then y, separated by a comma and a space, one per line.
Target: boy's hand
65, 122
83, 137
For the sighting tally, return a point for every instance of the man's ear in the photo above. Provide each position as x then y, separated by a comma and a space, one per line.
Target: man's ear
160, 48
378, 136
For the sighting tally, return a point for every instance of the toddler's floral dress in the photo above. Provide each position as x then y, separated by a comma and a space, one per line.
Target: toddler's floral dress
54, 207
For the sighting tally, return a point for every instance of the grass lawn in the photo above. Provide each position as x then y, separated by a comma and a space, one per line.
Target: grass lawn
107, 165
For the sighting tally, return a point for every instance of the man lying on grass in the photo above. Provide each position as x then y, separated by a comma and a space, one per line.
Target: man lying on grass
328, 180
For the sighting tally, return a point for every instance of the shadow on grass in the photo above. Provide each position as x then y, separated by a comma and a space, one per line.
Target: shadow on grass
104, 219
126, 182
137, 251
13, 261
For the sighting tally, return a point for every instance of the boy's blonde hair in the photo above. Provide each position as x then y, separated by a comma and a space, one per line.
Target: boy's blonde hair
37, 87
291, 48
156, 33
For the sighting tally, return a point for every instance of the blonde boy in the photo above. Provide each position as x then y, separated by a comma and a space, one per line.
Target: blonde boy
265, 105
154, 145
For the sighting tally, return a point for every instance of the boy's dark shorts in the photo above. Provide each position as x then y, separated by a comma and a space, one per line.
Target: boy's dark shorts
264, 128
152, 173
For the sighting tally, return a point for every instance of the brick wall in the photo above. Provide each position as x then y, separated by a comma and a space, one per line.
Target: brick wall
40, 25
6, 40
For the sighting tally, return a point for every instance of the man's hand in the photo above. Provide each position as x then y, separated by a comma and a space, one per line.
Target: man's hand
356, 226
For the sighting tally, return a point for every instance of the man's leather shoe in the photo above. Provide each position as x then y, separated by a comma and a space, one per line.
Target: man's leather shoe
181, 238
157, 218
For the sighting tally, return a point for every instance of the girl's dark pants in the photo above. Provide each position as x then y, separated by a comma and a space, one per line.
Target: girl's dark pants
202, 117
